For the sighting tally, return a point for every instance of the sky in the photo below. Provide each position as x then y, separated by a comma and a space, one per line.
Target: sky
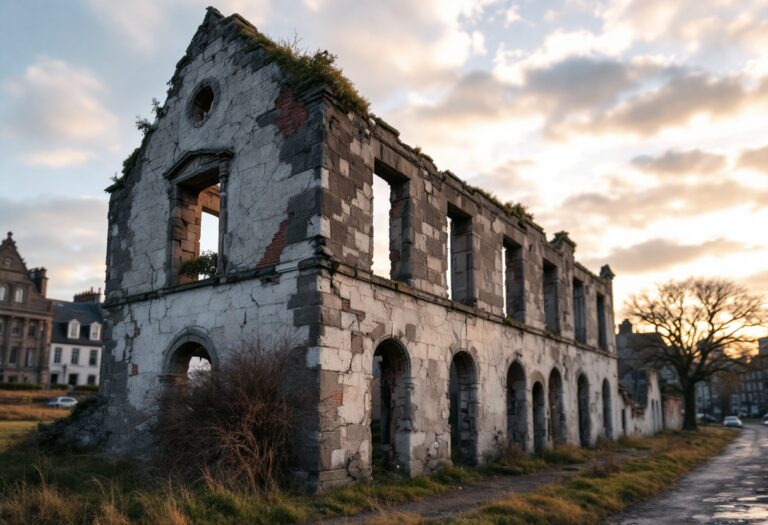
638, 127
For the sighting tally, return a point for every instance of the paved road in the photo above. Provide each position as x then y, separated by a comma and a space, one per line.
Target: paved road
731, 489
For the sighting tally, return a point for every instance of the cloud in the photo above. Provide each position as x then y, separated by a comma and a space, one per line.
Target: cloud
625, 205
55, 102
659, 254
57, 158
675, 163
755, 158
757, 282
676, 103
66, 235
382, 46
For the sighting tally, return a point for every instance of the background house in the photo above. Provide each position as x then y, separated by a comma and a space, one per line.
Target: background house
25, 318
76, 340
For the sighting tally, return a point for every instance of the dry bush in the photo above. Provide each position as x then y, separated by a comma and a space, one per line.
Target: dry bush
234, 425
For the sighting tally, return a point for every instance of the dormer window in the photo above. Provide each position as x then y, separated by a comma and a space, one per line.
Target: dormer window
7, 262
18, 295
95, 332
73, 331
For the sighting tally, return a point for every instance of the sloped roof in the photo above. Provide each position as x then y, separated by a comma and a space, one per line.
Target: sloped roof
85, 313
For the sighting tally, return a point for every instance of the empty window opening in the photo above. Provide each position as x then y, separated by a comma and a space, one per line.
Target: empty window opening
462, 416
389, 251
188, 362
202, 102
585, 430
514, 287
602, 336
539, 418
381, 264
551, 310
607, 410
390, 412
556, 407
196, 233
460, 259
517, 407
579, 314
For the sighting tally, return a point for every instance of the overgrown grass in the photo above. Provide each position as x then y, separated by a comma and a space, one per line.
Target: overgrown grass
588, 498
83, 489
30, 412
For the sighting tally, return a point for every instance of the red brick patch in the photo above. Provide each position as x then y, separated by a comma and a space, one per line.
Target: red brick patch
275, 249
291, 115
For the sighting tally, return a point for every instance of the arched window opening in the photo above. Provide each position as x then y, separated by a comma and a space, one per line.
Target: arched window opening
187, 362
539, 417
607, 410
390, 407
463, 409
517, 406
585, 431
556, 407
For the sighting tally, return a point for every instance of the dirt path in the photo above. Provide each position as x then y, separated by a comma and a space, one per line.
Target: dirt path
463, 499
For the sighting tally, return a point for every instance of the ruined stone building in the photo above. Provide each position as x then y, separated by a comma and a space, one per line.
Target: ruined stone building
483, 331
25, 318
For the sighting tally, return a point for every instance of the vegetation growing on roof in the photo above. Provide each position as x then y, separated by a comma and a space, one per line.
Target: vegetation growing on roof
563, 236
146, 127
515, 209
306, 69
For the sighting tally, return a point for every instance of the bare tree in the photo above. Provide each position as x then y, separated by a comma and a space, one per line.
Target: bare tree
705, 325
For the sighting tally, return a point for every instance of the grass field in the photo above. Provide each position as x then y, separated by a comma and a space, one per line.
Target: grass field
64, 489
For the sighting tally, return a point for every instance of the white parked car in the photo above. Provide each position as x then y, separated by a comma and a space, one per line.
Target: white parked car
62, 402
732, 421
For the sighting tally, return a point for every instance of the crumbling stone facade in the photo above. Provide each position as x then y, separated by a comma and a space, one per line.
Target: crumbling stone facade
422, 368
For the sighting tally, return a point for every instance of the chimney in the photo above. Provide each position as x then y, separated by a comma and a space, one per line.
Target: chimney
88, 296
38, 276
625, 327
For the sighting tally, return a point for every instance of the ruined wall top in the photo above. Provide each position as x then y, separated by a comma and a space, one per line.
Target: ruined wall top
283, 151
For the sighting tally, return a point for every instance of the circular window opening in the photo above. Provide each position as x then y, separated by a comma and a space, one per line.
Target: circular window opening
201, 104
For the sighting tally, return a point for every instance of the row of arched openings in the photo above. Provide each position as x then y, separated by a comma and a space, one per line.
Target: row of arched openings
390, 403
390, 400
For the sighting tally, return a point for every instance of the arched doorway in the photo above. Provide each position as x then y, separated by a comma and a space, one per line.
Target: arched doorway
607, 410
463, 409
539, 417
583, 398
556, 407
517, 406
390, 406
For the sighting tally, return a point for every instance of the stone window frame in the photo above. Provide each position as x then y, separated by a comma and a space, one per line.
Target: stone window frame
5, 293
20, 294
211, 83
190, 166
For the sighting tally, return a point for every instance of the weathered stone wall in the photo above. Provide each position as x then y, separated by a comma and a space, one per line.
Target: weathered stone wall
646, 418
267, 148
295, 254
432, 330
